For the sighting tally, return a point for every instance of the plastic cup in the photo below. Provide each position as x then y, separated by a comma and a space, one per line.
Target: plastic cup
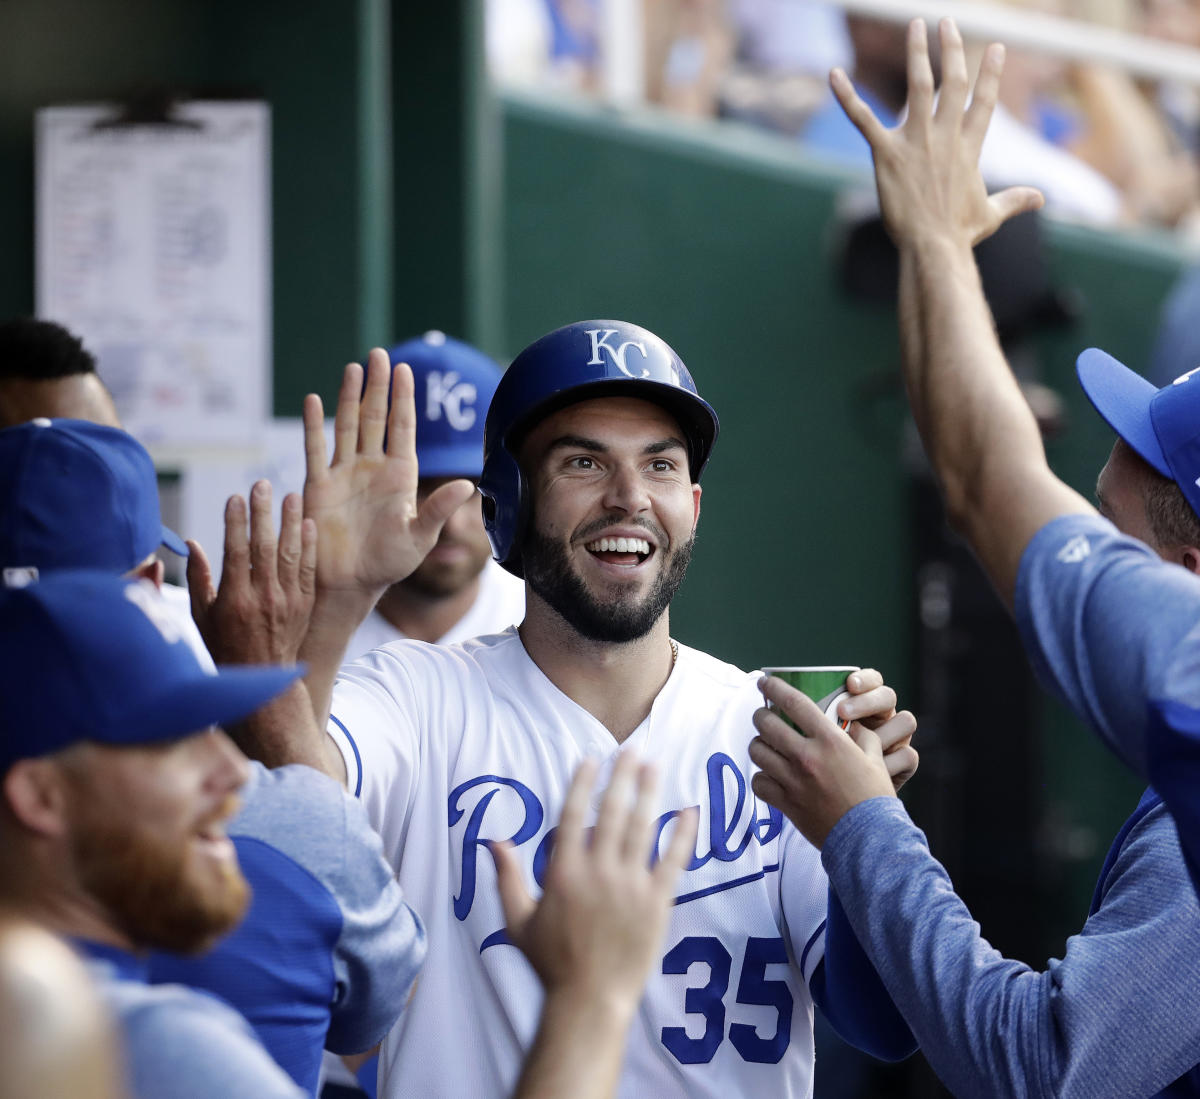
826, 686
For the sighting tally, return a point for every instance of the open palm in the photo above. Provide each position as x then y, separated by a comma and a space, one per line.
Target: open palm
371, 531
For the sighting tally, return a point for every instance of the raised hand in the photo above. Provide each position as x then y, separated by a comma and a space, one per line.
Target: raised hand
259, 615
596, 931
371, 530
927, 168
260, 611
604, 909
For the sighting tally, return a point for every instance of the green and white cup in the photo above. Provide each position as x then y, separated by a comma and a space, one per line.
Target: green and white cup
826, 686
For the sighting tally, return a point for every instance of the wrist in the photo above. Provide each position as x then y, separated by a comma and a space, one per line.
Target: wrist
946, 249
601, 1011
341, 609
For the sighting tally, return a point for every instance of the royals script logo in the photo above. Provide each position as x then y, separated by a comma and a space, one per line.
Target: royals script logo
738, 827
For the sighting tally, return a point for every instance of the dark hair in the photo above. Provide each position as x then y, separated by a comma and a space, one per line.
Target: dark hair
1171, 518
36, 350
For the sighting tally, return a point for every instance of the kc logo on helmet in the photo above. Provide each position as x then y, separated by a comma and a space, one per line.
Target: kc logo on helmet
446, 396
600, 338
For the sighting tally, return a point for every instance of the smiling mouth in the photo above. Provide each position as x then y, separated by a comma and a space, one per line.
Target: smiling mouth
212, 835
620, 551
214, 842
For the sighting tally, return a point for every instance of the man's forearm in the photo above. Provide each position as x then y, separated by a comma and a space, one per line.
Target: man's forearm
979, 433
578, 1049
993, 1027
285, 731
335, 617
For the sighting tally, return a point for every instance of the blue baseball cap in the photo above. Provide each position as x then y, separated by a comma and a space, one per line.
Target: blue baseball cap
77, 495
90, 656
454, 384
1162, 425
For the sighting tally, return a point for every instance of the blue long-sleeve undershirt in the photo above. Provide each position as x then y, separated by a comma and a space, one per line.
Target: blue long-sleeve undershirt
850, 994
1116, 1017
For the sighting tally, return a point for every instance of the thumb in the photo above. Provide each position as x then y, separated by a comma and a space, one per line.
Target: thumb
439, 505
1015, 200
518, 905
199, 581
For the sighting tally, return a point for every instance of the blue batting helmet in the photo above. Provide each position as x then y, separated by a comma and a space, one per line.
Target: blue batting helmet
577, 363
453, 386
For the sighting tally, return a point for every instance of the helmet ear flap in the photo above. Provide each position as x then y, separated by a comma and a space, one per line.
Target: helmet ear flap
505, 507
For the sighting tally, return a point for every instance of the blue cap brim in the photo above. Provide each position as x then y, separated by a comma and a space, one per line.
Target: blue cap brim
1123, 399
195, 704
173, 542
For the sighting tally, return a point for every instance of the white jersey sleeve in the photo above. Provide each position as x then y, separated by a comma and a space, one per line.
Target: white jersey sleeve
372, 721
804, 896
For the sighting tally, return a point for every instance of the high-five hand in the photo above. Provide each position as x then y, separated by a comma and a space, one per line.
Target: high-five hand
370, 530
927, 168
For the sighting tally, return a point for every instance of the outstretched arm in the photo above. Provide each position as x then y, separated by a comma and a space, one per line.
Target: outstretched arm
371, 532
596, 930
980, 436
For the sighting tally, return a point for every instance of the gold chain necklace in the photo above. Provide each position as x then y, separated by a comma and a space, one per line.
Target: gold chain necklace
674, 650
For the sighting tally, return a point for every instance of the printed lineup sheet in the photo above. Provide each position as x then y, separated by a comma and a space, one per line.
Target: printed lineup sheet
153, 245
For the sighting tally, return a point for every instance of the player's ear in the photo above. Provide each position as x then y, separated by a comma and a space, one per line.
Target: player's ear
696, 490
151, 569
36, 796
1189, 558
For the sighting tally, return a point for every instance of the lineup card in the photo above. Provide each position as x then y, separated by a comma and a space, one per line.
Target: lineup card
153, 245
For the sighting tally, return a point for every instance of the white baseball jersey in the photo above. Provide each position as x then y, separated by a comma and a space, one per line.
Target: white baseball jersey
499, 604
452, 747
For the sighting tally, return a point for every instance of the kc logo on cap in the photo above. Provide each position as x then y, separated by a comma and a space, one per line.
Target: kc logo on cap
447, 395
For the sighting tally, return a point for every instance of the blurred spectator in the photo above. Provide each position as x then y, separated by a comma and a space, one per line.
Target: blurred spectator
518, 41
1012, 151
791, 36
785, 49
1101, 116
879, 72
1128, 139
1177, 343
56, 1039
689, 44
574, 43
1176, 21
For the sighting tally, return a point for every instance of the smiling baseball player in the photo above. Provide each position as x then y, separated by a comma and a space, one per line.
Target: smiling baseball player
595, 444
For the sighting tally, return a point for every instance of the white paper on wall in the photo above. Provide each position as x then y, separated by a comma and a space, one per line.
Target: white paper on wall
153, 245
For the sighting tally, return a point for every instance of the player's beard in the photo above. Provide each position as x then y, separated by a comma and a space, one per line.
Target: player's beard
148, 887
549, 573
